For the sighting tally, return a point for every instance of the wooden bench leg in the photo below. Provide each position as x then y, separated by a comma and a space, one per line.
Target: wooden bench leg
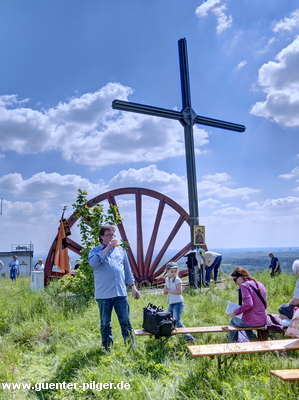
262, 335
225, 360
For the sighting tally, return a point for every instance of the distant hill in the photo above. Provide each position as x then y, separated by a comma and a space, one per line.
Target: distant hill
253, 259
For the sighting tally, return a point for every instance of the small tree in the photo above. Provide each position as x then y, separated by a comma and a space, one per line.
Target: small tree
90, 222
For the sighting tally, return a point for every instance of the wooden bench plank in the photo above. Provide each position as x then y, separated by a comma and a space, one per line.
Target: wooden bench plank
286, 374
200, 329
242, 348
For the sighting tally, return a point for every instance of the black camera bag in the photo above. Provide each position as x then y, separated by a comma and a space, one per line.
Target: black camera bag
157, 321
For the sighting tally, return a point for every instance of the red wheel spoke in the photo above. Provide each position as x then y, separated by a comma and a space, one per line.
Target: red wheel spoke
75, 247
166, 244
152, 242
124, 237
139, 236
180, 254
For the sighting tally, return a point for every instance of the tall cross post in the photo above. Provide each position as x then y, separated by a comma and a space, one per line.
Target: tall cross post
187, 117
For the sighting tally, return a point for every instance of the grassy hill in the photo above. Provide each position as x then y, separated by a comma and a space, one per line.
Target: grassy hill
47, 338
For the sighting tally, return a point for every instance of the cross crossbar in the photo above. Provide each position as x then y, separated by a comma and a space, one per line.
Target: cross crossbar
144, 109
171, 114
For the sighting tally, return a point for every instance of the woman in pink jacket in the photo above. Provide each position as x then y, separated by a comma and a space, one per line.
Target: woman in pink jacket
253, 304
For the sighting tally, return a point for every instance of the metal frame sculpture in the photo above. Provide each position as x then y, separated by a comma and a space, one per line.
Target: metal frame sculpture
146, 264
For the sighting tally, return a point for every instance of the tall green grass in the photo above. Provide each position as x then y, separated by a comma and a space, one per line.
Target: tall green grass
48, 337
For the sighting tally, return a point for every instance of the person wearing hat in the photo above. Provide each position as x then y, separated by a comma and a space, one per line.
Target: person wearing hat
174, 288
253, 304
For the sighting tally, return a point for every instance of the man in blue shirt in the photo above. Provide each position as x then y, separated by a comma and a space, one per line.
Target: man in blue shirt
14, 268
274, 266
112, 272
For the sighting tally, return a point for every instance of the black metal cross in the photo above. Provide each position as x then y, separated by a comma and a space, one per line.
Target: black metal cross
187, 117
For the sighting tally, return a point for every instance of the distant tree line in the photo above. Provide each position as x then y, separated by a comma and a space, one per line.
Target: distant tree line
262, 262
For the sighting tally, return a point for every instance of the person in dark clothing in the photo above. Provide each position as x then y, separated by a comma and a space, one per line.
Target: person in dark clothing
274, 265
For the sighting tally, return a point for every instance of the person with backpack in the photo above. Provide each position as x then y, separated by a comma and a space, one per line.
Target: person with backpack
253, 304
174, 289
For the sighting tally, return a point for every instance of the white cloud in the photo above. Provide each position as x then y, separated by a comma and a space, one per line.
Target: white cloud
288, 23
21, 211
280, 81
220, 177
151, 177
142, 138
86, 130
24, 222
292, 174
241, 65
217, 185
209, 203
224, 21
51, 186
36, 217
268, 45
287, 205
11, 100
230, 211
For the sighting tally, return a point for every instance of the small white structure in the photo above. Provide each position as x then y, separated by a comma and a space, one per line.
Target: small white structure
25, 255
37, 280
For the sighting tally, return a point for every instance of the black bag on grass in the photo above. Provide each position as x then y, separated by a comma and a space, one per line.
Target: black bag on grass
157, 321
287, 310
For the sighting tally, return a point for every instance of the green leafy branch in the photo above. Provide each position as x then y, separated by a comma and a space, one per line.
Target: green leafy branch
91, 219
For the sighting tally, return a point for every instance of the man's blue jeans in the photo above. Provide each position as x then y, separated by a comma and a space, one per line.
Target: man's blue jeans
121, 307
13, 274
215, 266
176, 310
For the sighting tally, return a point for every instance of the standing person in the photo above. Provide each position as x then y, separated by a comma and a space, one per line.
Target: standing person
14, 268
253, 296
112, 272
39, 266
174, 288
212, 262
274, 266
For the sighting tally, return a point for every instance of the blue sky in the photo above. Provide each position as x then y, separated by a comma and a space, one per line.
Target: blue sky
64, 62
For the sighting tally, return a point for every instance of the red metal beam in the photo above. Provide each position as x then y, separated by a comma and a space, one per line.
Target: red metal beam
152, 242
166, 244
139, 236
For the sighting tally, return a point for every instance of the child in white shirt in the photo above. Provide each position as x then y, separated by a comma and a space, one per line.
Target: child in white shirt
174, 288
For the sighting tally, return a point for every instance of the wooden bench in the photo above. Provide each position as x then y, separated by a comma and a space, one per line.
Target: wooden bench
200, 329
286, 374
221, 349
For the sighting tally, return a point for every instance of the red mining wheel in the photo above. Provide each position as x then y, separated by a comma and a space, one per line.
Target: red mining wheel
147, 261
